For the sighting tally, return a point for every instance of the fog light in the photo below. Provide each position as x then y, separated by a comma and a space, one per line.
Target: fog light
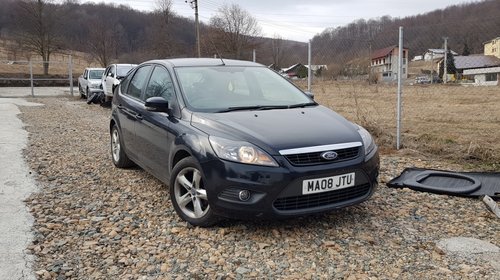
244, 195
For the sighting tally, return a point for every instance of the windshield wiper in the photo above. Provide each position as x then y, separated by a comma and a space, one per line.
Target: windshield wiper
302, 105
253, 107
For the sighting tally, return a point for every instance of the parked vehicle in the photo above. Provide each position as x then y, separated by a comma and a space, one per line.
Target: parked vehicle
90, 82
422, 80
235, 139
112, 76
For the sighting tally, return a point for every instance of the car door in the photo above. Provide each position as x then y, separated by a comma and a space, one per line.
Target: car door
110, 78
129, 108
104, 78
154, 130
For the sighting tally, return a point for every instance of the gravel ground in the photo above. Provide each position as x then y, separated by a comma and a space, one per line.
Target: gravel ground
93, 220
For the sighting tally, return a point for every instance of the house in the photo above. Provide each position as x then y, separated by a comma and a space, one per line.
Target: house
300, 71
483, 69
432, 54
492, 47
384, 64
295, 71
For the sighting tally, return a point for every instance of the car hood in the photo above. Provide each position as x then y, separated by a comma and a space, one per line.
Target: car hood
275, 130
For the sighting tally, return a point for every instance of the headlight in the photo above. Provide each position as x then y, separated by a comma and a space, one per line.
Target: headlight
240, 151
368, 142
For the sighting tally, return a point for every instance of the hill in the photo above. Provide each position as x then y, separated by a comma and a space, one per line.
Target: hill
467, 26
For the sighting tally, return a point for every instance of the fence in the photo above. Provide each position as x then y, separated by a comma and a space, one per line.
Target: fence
33, 72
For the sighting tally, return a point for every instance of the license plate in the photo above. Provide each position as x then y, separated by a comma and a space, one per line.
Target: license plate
328, 183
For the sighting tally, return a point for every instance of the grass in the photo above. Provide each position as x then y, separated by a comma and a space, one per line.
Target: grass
455, 123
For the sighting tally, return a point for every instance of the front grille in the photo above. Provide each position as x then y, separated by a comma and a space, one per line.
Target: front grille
320, 199
315, 158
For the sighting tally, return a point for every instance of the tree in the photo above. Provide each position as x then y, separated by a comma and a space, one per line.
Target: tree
277, 51
235, 30
160, 35
104, 39
37, 23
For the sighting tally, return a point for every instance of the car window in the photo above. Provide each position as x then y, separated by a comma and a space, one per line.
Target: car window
160, 84
113, 70
138, 81
122, 70
215, 88
95, 74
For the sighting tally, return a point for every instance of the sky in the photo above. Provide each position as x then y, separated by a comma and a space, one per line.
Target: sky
300, 20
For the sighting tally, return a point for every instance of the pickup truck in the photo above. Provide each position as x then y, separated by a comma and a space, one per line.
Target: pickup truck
90, 82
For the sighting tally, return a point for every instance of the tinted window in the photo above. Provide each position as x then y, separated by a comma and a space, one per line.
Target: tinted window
138, 81
160, 84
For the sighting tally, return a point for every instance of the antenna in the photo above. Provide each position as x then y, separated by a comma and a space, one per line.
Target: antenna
216, 50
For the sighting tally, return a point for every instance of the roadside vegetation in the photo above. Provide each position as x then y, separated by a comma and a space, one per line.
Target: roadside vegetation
455, 123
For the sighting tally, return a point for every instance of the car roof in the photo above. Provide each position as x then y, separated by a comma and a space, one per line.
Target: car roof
185, 62
94, 68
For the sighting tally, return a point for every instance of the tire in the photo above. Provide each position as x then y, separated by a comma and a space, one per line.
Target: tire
188, 194
82, 96
118, 155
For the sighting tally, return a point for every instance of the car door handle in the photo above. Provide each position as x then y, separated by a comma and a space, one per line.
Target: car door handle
139, 117
120, 106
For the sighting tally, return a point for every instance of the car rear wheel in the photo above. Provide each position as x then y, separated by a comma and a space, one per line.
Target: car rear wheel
120, 158
189, 195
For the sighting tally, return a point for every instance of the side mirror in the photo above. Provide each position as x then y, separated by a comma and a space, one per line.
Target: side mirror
110, 74
157, 104
310, 94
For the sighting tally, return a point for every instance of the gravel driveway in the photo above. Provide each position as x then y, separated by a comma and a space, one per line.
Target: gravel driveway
93, 220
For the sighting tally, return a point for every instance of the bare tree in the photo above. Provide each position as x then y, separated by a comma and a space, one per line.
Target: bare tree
37, 23
161, 39
235, 29
104, 39
277, 51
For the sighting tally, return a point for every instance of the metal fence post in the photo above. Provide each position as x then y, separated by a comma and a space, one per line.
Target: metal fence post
254, 55
309, 76
70, 69
31, 79
400, 73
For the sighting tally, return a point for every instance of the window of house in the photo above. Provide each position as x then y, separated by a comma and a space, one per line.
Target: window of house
491, 77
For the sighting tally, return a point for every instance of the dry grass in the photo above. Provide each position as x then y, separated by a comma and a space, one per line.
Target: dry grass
457, 123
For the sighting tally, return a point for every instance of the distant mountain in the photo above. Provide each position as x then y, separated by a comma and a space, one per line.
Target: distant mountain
138, 36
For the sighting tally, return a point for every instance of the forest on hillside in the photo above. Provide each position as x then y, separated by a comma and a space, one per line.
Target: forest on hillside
467, 27
117, 33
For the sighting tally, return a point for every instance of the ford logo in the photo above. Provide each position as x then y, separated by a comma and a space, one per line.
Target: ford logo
330, 155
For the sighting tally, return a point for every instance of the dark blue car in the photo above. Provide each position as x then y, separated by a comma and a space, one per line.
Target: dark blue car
235, 139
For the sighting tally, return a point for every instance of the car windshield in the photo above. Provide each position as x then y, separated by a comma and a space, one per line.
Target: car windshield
231, 88
122, 70
95, 74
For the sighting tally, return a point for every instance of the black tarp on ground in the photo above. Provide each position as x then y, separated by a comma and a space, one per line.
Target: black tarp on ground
468, 184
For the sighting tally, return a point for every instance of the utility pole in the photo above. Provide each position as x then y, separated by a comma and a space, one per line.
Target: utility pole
445, 66
194, 5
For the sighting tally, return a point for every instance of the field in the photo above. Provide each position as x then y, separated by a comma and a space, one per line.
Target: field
454, 123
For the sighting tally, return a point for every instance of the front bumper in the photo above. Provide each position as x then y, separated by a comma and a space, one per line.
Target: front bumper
95, 90
276, 192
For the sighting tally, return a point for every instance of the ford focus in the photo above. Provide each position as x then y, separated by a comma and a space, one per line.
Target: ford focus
234, 139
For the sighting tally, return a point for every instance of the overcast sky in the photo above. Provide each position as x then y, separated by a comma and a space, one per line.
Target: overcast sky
302, 19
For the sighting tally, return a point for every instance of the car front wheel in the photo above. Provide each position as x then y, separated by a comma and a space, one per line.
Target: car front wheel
189, 195
118, 155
